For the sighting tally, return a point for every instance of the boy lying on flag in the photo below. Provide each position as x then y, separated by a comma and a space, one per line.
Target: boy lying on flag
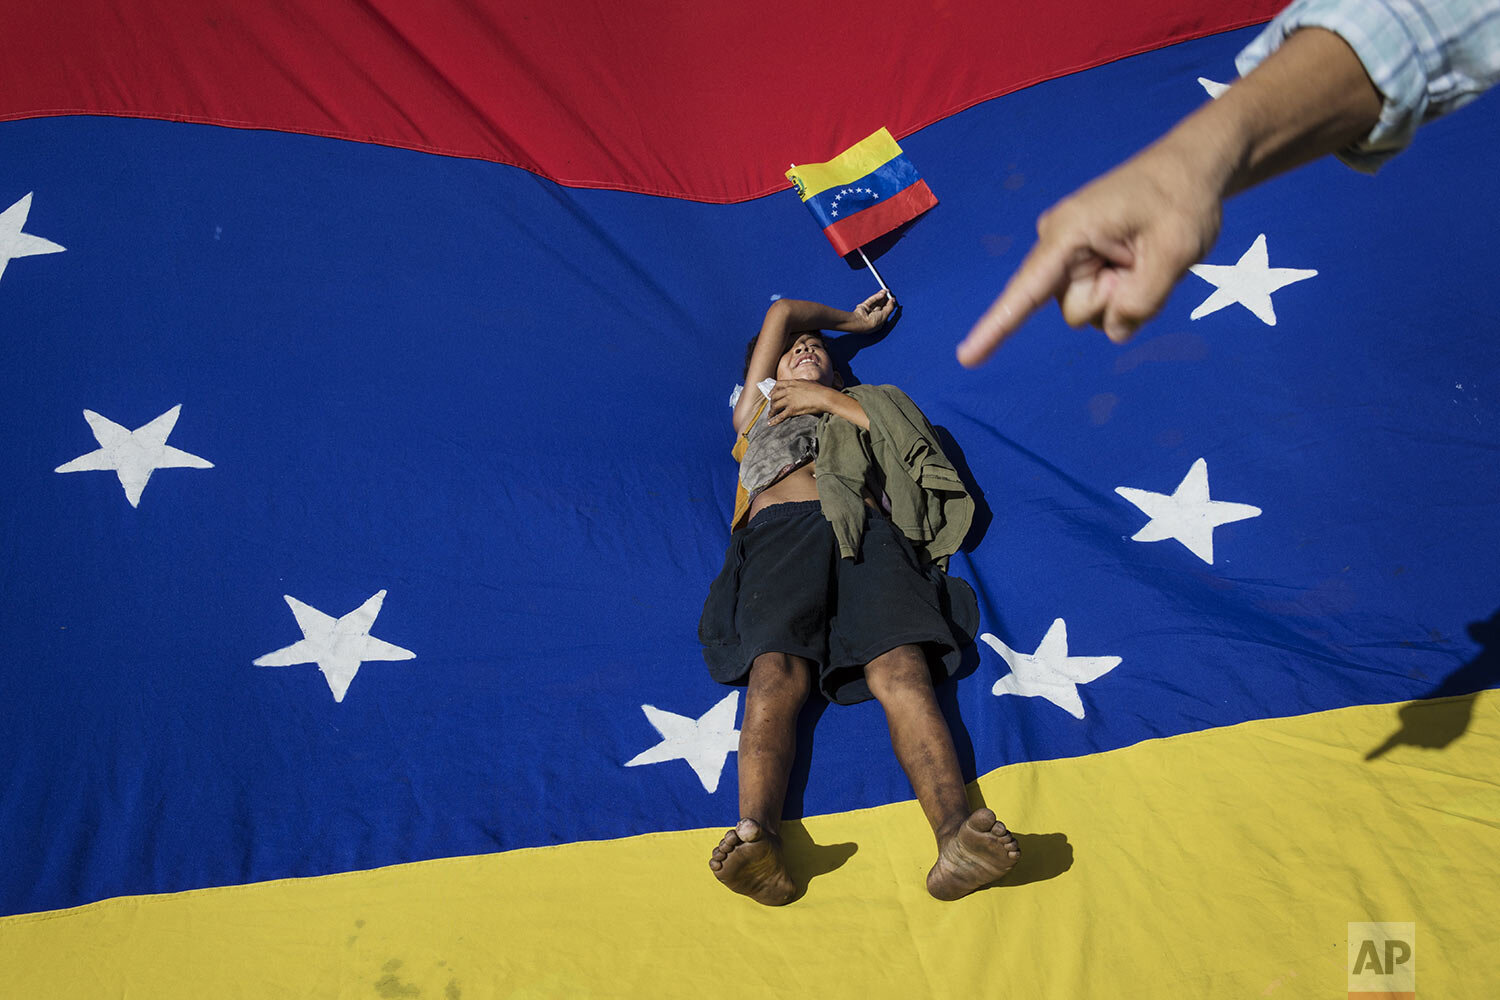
846, 512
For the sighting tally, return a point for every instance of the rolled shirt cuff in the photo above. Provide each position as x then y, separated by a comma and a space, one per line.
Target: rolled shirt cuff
1382, 37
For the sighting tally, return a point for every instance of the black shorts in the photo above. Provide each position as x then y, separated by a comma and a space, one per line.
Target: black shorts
785, 589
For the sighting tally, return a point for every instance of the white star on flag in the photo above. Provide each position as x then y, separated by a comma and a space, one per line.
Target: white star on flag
703, 742
833, 210
1049, 672
13, 242
1211, 88
337, 645
133, 455
1248, 281
1187, 514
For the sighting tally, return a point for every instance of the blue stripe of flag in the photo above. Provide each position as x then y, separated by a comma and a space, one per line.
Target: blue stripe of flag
838, 203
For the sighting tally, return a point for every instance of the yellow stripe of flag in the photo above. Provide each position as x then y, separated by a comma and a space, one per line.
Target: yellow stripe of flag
1222, 863
849, 166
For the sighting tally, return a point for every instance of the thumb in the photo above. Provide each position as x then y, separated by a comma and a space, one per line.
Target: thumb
1140, 293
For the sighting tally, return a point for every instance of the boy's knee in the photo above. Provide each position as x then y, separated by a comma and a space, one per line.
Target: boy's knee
899, 671
781, 675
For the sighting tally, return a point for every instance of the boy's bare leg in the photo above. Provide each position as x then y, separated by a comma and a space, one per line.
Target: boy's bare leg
974, 848
749, 859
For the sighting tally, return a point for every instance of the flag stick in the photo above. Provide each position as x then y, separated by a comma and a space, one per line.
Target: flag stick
874, 272
883, 287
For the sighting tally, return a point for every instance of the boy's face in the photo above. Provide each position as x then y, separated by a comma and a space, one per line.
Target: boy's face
807, 358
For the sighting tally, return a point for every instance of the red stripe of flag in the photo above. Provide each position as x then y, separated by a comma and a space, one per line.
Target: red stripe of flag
848, 235
505, 81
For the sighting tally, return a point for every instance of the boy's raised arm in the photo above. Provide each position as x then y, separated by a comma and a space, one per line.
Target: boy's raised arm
792, 316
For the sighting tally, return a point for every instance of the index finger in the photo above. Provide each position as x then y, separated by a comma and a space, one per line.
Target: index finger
1040, 277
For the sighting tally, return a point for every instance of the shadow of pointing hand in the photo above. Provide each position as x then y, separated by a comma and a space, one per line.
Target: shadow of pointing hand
1443, 714
806, 860
1431, 725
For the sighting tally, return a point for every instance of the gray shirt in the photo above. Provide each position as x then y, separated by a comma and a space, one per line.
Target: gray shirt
771, 452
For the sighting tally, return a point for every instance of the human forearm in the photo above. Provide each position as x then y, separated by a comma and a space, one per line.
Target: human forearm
848, 407
798, 315
1310, 97
1111, 251
794, 397
1426, 58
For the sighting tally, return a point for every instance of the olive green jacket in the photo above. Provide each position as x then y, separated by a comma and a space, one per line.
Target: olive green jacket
900, 456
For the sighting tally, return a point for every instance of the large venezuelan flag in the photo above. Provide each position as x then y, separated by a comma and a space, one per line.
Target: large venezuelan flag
366, 461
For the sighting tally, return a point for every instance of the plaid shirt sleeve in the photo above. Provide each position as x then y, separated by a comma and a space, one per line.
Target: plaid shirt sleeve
1426, 57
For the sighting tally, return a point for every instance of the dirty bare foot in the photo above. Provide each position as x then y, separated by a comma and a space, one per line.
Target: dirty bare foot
748, 860
980, 852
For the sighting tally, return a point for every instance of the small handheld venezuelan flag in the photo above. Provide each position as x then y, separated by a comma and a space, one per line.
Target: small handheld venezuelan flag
863, 193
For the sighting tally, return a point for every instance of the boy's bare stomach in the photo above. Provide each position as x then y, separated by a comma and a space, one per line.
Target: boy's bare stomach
799, 484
